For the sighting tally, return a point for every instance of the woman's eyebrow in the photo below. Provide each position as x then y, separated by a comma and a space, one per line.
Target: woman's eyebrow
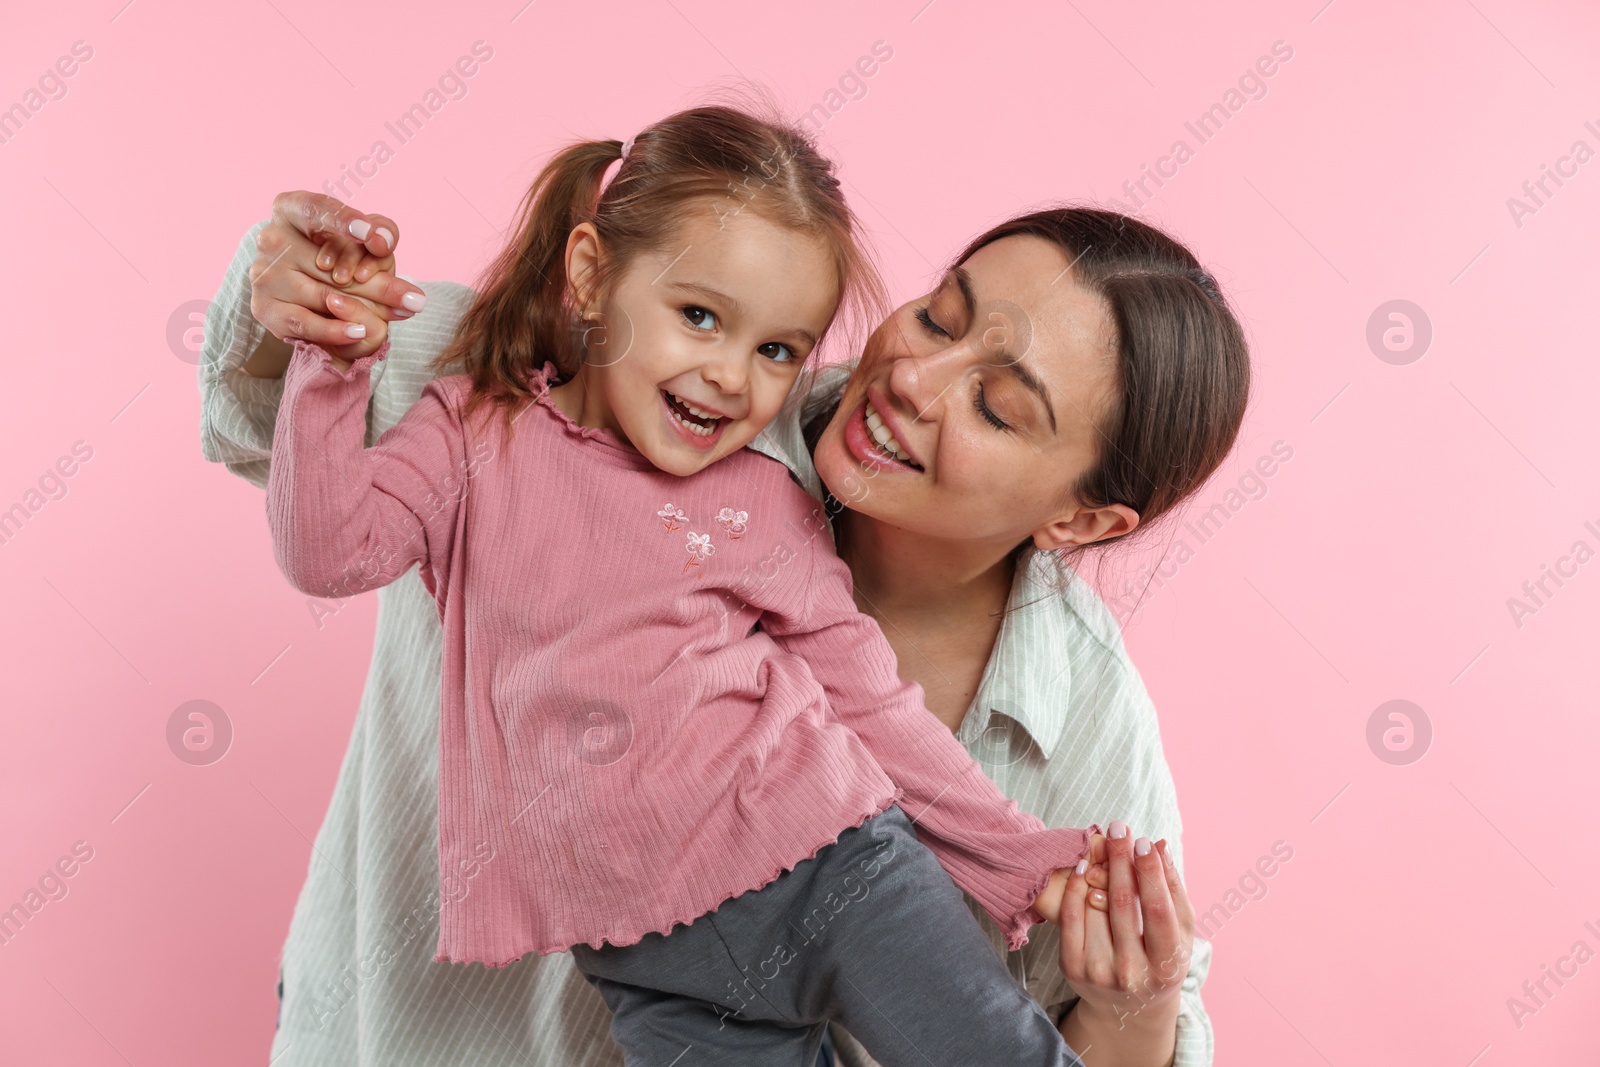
964, 283
1030, 381
1023, 374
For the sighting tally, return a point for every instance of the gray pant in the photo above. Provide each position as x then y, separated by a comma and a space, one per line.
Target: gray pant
870, 932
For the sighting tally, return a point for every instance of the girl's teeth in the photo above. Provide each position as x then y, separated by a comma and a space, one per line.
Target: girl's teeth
702, 431
691, 409
695, 428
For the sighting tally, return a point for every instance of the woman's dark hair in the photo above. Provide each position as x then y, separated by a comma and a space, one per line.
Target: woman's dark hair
524, 314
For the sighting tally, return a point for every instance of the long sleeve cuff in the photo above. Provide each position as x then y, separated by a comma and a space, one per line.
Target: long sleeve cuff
304, 350
237, 411
1196, 1045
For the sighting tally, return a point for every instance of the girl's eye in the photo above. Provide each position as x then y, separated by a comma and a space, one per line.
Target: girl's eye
983, 409
777, 352
700, 318
929, 325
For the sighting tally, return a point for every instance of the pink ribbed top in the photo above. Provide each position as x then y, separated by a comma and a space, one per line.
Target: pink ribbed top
657, 692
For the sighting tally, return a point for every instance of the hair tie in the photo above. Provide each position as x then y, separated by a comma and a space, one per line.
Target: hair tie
611, 170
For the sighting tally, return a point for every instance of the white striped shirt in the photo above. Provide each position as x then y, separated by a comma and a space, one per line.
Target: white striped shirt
1061, 722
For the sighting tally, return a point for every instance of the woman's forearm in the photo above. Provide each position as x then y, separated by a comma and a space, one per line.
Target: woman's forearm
1146, 1038
269, 360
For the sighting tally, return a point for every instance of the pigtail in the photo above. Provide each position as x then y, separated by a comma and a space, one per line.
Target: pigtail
521, 316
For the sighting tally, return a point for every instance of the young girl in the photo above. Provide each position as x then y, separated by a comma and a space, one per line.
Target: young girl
669, 742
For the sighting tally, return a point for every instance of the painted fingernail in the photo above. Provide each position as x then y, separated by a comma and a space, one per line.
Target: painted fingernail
414, 301
400, 313
359, 228
1141, 847
1082, 867
383, 231
1166, 852
1119, 829
355, 329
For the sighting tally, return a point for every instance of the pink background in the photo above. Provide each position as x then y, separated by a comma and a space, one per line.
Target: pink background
1377, 566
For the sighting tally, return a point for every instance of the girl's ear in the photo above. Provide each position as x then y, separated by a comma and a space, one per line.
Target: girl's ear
1084, 526
583, 266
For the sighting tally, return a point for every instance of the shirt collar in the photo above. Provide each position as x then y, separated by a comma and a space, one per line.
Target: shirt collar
1027, 682
784, 439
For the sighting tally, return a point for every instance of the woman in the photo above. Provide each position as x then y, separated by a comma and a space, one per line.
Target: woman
943, 546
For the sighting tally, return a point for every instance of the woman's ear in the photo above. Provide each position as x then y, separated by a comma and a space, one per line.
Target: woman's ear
1083, 526
583, 266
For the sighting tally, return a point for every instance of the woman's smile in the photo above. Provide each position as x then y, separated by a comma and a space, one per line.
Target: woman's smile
876, 438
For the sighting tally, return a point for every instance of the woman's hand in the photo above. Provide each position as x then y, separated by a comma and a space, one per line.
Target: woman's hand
301, 257
1127, 981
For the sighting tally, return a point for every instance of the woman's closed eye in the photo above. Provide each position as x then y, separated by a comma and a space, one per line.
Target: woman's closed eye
929, 325
982, 405
699, 317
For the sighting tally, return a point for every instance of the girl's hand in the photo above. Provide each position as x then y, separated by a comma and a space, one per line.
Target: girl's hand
358, 316
1126, 978
289, 291
1048, 902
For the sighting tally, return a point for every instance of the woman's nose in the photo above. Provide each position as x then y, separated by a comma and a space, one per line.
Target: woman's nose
925, 379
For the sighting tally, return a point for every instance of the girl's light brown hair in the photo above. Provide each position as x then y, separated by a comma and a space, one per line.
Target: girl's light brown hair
719, 156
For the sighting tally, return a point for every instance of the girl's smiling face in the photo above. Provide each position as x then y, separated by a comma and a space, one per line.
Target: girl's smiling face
974, 410
703, 339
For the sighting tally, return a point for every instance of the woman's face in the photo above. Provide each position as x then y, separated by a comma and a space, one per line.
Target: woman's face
975, 409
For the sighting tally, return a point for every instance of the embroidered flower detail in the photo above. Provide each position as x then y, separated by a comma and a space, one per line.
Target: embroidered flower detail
671, 517
733, 522
700, 548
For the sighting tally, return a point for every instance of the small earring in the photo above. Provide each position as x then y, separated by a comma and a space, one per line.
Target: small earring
594, 332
